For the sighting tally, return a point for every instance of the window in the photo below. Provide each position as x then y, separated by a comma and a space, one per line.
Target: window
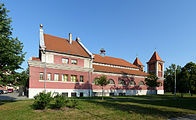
132, 82
111, 94
65, 60
65, 94
64, 78
56, 77
141, 83
81, 94
73, 78
81, 78
111, 82
73, 94
75, 62
159, 67
121, 82
122, 94
49, 76
41, 76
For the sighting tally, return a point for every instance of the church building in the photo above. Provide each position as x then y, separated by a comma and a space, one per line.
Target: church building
67, 67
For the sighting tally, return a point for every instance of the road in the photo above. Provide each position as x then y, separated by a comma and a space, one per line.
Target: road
12, 96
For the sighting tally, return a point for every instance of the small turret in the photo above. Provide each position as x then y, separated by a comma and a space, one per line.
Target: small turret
139, 64
156, 65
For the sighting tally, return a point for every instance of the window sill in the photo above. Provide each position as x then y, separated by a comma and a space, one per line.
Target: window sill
59, 81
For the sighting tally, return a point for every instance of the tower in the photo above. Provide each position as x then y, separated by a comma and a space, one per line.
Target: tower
139, 64
156, 65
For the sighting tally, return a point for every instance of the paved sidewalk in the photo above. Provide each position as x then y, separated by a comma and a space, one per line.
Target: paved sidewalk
188, 117
12, 96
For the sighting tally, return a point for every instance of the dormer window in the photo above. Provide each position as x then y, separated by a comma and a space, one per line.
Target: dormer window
75, 62
65, 60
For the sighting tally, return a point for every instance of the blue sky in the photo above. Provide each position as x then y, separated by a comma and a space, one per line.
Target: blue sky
125, 28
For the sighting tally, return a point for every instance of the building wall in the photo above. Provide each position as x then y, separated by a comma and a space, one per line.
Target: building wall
35, 82
58, 60
84, 67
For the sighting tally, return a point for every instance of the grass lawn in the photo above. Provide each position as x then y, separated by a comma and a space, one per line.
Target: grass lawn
150, 107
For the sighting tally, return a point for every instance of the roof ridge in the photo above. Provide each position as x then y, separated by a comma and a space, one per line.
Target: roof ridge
129, 64
113, 57
57, 37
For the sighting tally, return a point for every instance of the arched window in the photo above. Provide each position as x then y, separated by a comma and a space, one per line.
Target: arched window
160, 84
141, 83
121, 82
111, 82
132, 83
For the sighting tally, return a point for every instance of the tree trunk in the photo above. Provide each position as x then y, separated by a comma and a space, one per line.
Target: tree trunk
182, 95
102, 92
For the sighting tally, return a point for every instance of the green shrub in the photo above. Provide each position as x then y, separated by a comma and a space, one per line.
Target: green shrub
72, 103
60, 101
42, 100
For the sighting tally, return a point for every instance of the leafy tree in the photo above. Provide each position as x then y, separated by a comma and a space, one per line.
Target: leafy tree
170, 77
182, 81
152, 81
101, 81
11, 54
189, 70
22, 78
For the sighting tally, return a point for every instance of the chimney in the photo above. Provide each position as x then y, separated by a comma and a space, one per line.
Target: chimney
70, 38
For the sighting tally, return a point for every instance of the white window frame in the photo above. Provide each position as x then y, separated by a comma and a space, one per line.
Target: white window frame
41, 74
65, 60
74, 61
56, 77
72, 80
49, 76
63, 79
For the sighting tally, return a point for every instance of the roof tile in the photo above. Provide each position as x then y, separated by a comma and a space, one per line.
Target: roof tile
62, 45
112, 61
118, 70
155, 57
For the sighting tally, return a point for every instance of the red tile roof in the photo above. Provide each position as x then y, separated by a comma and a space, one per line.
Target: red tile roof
62, 45
36, 58
137, 62
155, 57
112, 61
100, 68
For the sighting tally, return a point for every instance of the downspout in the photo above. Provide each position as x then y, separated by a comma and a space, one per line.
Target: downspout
90, 88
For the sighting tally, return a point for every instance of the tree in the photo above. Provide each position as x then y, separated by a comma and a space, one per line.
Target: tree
189, 70
169, 75
11, 54
101, 81
152, 81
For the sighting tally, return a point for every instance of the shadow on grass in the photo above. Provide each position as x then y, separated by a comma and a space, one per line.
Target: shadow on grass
179, 103
2, 102
116, 105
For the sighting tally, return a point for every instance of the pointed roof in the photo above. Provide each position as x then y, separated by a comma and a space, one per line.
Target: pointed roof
137, 62
155, 57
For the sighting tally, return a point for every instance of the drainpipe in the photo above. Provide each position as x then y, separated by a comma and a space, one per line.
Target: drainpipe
90, 65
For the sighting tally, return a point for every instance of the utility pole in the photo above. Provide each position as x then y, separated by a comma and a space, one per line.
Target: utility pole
175, 83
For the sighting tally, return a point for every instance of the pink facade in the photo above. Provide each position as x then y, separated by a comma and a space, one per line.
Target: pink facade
71, 59
58, 60
35, 81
